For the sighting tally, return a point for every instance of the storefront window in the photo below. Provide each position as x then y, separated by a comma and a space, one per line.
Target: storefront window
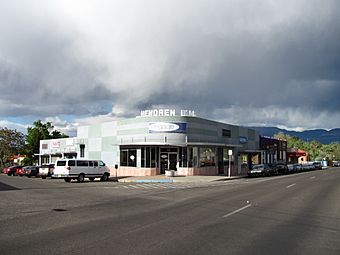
192, 156
142, 157
183, 157
149, 157
123, 157
207, 156
128, 157
244, 158
82, 150
132, 157
153, 157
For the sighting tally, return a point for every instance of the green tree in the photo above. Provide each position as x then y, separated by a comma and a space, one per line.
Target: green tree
12, 143
315, 149
40, 131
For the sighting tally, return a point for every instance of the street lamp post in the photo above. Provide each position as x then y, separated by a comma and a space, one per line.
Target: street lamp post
230, 153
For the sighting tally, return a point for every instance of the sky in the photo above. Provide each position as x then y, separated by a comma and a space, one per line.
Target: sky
252, 63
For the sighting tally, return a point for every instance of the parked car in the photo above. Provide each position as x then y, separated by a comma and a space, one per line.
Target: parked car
5, 170
46, 170
80, 169
317, 165
13, 170
260, 170
280, 167
336, 163
31, 171
298, 167
20, 171
292, 168
307, 166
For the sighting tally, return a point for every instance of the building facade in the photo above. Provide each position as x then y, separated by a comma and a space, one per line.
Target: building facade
273, 150
153, 143
297, 156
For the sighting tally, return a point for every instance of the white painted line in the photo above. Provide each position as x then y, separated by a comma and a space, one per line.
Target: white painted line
152, 186
289, 186
313, 177
133, 186
140, 186
236, 211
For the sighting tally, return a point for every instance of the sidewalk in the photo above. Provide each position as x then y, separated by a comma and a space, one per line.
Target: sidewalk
166, 179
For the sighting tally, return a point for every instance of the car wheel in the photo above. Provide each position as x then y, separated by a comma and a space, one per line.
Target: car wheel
81, 178
43, 177
105, 177
67, 179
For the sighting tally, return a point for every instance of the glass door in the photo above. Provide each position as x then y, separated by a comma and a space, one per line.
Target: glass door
168, 161
164, 162
172, 161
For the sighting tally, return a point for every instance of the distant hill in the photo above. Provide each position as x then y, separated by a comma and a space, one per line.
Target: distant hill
320, 135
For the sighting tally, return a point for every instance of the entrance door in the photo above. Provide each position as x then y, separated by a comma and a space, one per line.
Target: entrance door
164, 162
168, 161
173, 161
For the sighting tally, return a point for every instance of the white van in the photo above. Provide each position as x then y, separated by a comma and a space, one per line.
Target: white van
80, 169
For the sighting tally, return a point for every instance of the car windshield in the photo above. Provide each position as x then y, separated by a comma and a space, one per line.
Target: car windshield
257, 166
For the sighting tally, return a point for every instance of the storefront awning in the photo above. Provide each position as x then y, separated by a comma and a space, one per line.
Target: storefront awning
181, 144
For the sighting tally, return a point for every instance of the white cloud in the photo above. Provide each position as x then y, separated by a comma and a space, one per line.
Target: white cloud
297, 119
13, 125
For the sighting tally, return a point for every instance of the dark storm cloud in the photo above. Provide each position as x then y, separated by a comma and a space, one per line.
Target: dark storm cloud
292, 64
275, 62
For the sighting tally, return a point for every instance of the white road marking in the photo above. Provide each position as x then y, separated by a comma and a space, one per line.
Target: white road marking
289, 186
313, 177
236, 211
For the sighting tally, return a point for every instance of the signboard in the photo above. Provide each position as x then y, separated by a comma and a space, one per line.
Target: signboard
167, 127
243, 140
166, 112
55, 144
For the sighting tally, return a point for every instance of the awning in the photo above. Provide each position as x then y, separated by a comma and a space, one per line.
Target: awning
181, 144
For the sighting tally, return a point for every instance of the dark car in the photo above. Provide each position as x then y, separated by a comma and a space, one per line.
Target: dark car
31, 171
13, 170
281, 168
260, 170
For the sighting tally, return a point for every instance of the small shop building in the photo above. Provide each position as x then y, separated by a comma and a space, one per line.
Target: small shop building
273, 150
158, 141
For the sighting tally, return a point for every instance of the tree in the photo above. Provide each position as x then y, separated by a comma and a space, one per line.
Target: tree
40, 131
12, 143
316, 150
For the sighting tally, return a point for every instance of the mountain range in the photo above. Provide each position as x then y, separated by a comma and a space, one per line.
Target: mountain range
321, 135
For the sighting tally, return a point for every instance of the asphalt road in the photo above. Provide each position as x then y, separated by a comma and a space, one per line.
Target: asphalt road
294, 214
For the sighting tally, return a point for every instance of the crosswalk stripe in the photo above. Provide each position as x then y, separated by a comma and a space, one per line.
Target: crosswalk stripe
166, 185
